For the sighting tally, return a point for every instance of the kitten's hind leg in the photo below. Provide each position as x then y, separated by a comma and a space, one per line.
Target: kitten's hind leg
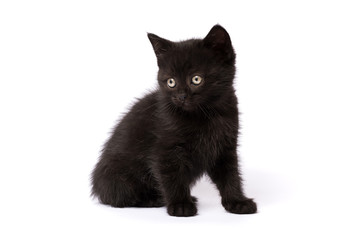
117, 189
113, 187
150, 198
113, 191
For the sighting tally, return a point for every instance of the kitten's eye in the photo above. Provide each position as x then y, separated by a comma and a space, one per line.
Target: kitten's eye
171, 82
196, 80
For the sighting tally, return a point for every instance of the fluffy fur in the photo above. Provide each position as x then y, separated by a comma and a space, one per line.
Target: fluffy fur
174, 135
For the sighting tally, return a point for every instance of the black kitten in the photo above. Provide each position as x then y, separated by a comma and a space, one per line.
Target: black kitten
172, 136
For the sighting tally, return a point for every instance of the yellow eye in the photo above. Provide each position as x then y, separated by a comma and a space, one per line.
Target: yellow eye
171, 82
196, 80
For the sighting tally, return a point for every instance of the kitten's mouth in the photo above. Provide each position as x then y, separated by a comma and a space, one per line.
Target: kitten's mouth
186, 106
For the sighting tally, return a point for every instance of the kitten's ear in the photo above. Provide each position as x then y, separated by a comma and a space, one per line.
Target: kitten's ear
219, 40
160, 45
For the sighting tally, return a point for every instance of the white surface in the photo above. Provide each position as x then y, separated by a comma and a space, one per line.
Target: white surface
68, 69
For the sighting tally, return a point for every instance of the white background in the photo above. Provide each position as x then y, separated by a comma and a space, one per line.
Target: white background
69, 69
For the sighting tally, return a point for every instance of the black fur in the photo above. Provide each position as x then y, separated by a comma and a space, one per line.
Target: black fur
172, 136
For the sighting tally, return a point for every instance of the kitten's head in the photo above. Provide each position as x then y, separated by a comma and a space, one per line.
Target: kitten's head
195, 73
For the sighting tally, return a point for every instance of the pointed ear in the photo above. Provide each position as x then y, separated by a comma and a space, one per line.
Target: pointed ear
218, 39
160, 45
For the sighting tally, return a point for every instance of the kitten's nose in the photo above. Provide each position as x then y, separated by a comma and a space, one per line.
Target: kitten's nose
182, 97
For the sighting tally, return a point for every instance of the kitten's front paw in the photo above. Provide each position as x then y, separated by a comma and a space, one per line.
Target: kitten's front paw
247, 206
185, 209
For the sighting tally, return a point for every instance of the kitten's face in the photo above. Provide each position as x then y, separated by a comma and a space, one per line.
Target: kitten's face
194, 74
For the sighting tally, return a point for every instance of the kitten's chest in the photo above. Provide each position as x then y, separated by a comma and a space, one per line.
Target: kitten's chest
209, 140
